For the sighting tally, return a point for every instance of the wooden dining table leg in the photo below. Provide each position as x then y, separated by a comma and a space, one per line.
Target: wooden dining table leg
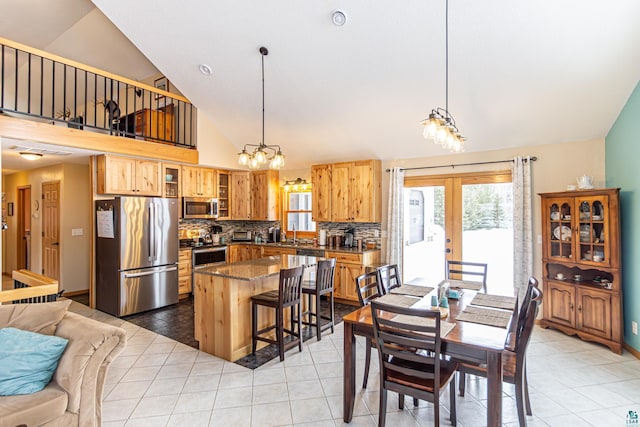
349, 381
494, 389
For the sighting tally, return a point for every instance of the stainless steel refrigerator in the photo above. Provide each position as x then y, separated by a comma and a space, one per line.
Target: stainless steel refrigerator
136, 254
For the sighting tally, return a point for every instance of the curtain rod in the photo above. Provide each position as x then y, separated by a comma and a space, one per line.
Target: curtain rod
533, 159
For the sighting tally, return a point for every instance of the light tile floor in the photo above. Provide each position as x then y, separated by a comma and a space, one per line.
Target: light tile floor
159, 382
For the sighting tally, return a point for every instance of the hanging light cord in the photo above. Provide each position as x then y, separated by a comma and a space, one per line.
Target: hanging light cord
263, 52
446, 57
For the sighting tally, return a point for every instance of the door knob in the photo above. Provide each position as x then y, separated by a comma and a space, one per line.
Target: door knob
55, 244
448, 250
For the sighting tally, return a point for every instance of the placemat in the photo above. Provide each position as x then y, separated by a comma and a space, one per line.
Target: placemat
445, 327
496, 301
461, 284
398, 300
413, 290
485, 316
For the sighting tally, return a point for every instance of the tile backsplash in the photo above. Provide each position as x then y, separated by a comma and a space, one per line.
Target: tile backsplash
368, 232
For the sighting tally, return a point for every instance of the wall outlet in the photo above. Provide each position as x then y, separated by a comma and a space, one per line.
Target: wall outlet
376, 233
634, 328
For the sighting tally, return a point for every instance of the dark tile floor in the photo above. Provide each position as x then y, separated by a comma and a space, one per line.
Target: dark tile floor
176, 322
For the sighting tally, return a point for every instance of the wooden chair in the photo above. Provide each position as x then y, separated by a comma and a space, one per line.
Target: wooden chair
411, 362
514, 357
388, 277
288, 295
323, 285
462, 269
368, 289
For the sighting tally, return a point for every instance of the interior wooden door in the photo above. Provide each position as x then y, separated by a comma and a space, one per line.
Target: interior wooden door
51, 229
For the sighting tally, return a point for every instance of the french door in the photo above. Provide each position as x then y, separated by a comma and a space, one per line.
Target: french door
464, 217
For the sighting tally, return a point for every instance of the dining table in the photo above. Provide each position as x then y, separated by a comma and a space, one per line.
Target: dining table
468, 342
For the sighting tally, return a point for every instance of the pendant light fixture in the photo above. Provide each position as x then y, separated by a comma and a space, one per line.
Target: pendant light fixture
440, 126
262, 152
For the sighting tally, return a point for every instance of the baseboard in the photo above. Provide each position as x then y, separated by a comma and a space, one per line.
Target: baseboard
75, 293
631, 350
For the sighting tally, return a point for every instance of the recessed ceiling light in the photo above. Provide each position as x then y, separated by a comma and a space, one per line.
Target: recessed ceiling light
205, 69
30, 156
339, 18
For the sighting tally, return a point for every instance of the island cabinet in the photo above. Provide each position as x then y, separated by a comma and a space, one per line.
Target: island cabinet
184, 272
240, 195
321, 193
265, 195
350, 265
128, 176
347, 192
582, 292
199, 182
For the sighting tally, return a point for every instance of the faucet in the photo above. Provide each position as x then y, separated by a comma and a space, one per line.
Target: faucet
294, 235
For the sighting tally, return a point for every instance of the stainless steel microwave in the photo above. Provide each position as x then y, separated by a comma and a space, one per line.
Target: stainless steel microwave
199, 207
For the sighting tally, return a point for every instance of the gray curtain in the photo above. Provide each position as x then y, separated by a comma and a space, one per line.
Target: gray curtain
522, 224
395, 217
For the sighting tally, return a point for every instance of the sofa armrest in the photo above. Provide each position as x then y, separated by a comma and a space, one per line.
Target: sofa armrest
81, 372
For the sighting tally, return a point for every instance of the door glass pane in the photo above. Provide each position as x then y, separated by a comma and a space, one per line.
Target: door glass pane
423, 254
487, 232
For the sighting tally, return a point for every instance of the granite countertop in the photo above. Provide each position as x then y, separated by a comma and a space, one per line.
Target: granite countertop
352, 250
258, 268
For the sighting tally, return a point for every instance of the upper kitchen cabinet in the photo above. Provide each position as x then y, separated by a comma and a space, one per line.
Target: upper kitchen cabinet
199, 182
355, 192
127, 176
321, 193
265, 195
171, 187
224, 191
240, 195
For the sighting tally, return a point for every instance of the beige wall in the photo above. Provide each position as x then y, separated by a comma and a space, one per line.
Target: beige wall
558, 165
74, 213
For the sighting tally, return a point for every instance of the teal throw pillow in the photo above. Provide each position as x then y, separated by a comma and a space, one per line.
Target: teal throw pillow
27, 360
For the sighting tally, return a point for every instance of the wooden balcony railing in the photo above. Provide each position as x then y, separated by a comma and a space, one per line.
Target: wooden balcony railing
39, 86
30, 287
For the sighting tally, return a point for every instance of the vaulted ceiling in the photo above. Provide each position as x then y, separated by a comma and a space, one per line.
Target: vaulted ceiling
520, 73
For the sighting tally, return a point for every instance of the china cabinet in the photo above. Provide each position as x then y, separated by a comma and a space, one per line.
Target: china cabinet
171, 176
582, 292
224, 190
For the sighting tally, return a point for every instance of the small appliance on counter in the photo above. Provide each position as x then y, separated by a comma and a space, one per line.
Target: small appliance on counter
216, 230
274, 234
241, 236
348, 240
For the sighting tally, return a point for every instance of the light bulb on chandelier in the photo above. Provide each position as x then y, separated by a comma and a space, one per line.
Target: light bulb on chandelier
262, 153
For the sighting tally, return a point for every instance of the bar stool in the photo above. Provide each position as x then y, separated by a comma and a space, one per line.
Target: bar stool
323, 285
288, 295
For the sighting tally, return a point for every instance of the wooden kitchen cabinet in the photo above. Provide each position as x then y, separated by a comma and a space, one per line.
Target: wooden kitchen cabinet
265, 195
184, 273
224, 191
171, 178
199, 182
355, 191
580, 255
128, 176
277, 250
244, 252
348, 267
240, 195
321, 193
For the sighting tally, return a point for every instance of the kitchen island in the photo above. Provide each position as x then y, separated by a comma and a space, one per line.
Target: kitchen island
222, 301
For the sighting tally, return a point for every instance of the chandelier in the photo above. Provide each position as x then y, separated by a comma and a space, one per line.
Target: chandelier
262, 153
440, 126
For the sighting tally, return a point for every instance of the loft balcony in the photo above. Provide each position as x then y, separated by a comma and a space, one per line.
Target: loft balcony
36, 85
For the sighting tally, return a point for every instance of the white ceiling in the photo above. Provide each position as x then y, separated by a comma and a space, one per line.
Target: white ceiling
520, 73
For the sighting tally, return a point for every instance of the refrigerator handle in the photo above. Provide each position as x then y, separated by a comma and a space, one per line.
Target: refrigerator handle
152, 232
149, 273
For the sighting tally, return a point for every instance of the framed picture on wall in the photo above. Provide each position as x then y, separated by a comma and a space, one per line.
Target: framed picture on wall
163, 84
